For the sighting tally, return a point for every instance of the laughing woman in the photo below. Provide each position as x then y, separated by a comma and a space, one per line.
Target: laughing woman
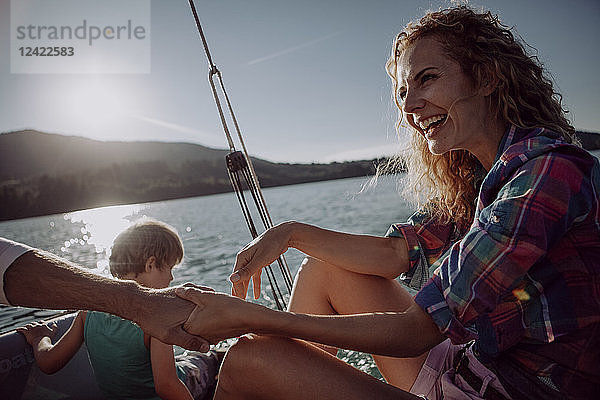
509, 228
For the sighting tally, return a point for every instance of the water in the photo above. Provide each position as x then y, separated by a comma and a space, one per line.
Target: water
212, 229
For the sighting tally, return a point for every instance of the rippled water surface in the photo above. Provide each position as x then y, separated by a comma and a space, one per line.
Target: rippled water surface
212, 229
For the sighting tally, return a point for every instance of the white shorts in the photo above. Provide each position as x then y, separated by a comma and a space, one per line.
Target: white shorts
437, 379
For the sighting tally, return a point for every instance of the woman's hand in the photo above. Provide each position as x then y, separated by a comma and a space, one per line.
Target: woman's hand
161, 314
35, 331
219, 316
363, 254
256, 255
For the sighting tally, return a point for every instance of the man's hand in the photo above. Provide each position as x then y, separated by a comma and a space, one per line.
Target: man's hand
219, 316
163, 314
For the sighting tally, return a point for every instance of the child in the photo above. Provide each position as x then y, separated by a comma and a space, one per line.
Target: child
127, 362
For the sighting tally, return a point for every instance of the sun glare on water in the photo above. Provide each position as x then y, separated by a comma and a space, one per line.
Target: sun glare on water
101, 226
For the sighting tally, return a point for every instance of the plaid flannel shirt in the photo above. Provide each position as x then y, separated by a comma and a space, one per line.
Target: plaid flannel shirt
524, 281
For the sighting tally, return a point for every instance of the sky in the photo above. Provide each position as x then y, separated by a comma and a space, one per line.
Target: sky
306, 78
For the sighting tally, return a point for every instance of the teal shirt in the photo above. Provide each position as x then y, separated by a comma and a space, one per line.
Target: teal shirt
120, 360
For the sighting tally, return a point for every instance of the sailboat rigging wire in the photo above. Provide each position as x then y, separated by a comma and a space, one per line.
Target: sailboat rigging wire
238, 163
236, 183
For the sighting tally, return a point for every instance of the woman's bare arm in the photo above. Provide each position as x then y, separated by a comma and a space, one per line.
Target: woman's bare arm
398, 334
365, 254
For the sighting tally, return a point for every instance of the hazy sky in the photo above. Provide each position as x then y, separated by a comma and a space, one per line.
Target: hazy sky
306, 78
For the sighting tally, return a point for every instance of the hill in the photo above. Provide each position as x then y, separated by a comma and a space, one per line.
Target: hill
589, 140
26, 153
43, 173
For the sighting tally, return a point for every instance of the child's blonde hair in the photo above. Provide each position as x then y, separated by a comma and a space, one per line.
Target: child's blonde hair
135, 245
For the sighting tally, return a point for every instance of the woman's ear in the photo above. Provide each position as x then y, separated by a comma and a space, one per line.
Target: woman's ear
150, 263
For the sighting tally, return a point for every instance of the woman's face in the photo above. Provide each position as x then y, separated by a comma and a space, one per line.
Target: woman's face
439, 100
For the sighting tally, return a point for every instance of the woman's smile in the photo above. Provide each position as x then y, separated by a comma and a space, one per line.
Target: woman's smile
433, 124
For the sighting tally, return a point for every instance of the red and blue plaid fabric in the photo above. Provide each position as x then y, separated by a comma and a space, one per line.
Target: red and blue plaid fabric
524, 281
427, 240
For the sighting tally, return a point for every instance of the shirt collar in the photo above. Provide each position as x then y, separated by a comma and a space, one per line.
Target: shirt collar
507, 139
514, 135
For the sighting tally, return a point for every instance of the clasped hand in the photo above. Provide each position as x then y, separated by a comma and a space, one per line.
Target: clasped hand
217, 316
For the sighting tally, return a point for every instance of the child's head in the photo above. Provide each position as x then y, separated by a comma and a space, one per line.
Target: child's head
146, 252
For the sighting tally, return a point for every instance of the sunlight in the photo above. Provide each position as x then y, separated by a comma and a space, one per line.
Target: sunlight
98, 106
101, 226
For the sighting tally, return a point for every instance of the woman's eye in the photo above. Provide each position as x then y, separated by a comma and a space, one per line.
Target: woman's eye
427, 77
401, 94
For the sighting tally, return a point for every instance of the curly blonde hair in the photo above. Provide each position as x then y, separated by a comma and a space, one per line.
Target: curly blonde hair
447, 185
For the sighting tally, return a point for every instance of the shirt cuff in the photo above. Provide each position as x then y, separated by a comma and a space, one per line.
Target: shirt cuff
432, 301
9, 252
418, 267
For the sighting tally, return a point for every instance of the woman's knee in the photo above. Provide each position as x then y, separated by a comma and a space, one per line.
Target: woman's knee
315, 270
310, 266
312, 278
240, 355
246, 362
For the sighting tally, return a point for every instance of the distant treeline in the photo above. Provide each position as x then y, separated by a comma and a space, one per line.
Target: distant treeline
43, 173
151, 181
589, 140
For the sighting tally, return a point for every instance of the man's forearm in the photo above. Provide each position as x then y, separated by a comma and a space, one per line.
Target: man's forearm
40, 279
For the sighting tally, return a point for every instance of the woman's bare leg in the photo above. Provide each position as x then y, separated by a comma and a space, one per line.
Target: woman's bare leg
321, 288
281, 368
